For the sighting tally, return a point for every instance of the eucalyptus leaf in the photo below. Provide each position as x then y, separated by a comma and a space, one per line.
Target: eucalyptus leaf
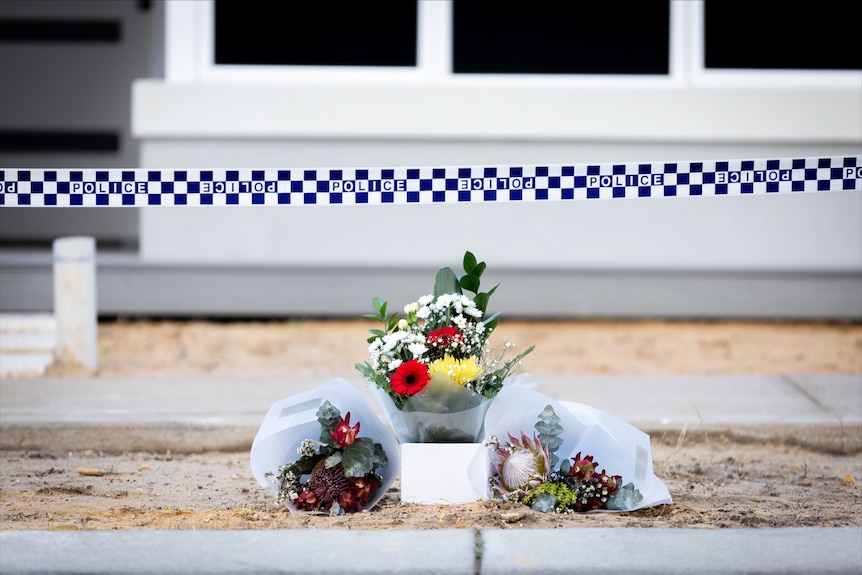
358, 458
626, 498
544, 503
332, 460
547, 428
380, 459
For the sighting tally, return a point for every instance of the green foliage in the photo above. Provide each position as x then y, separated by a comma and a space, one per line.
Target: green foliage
549, 430
371, 375
471, 280
328, 416
564, 494
446, 282
389, 321
358, 458
380, 459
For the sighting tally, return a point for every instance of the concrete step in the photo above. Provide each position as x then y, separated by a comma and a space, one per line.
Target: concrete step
27, 344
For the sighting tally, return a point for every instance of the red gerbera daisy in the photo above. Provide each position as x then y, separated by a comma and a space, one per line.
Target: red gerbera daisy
410, 378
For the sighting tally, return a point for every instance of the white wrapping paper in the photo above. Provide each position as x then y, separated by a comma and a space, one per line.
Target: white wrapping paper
293, 419
616, 446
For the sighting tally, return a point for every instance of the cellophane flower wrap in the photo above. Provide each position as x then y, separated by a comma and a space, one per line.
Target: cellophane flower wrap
567, 457
335, 474
432, 368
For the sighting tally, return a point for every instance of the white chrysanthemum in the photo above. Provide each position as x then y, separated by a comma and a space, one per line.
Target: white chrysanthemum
473, 311
417, 348
393, 365
425, 300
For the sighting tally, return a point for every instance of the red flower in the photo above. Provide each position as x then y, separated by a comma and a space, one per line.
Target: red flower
307, 501
349, 502
444, 337
363, 488
410, 378
343, 434
583, 468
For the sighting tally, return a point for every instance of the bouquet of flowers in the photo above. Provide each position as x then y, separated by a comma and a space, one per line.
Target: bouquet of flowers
434, 364
340, 467
525, 470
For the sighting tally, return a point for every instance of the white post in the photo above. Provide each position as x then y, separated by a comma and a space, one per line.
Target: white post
75, 300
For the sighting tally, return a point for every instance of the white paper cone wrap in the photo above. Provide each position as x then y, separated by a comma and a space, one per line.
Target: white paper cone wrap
294, 419
616, 446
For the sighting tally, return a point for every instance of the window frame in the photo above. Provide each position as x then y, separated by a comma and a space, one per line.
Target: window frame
429, 102
190, 58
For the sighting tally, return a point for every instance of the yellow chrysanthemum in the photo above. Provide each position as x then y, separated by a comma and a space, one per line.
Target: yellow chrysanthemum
462, 371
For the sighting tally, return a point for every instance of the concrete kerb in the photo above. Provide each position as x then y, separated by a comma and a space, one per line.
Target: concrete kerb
808, 551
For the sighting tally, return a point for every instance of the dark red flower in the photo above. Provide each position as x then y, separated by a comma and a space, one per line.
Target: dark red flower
363, 488
343, 434
307, 501
410, 378
349, 502
444, 337
583, 468
328, 483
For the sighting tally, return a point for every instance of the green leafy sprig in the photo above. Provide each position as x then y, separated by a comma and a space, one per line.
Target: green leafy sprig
549, 430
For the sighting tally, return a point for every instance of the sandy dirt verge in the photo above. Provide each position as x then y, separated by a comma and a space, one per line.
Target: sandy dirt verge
715, 479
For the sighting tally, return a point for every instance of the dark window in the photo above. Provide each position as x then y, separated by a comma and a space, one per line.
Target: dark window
781, 36
45, 30
561, 37
59, 141
379, 33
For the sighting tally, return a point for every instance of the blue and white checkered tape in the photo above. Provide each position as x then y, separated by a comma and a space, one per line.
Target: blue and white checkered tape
423, 185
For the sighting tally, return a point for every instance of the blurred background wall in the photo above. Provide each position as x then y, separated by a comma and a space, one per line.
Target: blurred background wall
218, 84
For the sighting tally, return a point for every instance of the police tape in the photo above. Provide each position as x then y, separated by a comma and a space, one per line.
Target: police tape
423, 185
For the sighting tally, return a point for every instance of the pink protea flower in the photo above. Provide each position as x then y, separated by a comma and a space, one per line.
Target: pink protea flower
521, 466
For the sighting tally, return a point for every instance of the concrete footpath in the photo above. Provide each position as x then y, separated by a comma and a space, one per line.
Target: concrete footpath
210, 413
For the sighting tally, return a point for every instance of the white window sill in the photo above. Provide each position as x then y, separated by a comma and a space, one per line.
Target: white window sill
656, 113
